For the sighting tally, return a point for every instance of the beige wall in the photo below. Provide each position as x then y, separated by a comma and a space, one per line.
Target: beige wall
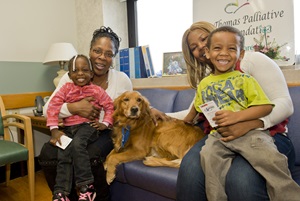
88, 17
29, 27
91, 14
115, 16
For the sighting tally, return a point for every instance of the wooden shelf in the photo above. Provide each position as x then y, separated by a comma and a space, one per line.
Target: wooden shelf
291, 75
168, 82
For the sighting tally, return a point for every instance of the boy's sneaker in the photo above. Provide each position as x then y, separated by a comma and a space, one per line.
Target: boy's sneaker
60, 197
87, 193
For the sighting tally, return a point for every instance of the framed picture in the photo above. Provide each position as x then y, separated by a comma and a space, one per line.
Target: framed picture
173, 64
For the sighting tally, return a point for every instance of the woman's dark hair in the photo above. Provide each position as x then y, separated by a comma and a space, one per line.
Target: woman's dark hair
109, 33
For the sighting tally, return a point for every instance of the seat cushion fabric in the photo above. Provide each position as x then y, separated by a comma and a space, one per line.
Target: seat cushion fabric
125, 192
296, 174
294, 121
159, 180
11, 152
155, 97
183, 99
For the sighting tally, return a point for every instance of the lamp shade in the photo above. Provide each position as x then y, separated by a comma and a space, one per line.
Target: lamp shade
59, 52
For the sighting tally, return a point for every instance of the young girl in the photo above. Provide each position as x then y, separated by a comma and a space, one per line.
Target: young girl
82, 130
104, 45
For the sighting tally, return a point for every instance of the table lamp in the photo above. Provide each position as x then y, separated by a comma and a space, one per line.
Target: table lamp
59, 54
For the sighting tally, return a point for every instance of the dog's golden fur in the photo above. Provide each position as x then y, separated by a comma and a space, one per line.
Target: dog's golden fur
161, 145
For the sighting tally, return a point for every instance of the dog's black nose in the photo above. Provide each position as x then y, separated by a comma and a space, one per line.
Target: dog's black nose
134, 110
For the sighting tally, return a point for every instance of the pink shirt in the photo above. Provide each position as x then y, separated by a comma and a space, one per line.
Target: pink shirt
70, 93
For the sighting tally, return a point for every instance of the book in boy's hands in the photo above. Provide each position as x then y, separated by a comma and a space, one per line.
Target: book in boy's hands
65, 141
209, 109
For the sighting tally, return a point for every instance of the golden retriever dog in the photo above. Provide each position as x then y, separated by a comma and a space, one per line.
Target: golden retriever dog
136, 137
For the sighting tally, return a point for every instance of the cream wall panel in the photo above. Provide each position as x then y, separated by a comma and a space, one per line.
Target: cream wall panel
89, 17
92, 14
115, 16
29, 27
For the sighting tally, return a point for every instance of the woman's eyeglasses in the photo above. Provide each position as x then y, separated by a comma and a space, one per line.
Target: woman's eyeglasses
106, 54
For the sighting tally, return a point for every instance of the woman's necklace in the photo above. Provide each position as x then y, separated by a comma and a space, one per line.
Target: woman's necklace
103, 83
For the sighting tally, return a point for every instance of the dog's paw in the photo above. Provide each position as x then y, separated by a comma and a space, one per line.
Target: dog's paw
117, 148
110, 177
105, 166
148, 160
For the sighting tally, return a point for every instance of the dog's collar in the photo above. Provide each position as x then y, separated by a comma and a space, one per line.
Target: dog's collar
125, 134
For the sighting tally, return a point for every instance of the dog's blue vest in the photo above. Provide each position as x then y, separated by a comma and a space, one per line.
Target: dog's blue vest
125, 135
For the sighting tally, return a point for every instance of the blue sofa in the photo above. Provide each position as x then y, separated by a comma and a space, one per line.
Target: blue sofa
137, 182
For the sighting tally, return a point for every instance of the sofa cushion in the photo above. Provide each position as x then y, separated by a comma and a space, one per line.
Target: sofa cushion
296, 174
294, 122
167, 100
183, 99
125, 192
159, 180
161, 99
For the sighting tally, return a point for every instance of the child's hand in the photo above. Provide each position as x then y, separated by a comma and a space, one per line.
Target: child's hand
189, 119
98, 125
55, 136
225, 118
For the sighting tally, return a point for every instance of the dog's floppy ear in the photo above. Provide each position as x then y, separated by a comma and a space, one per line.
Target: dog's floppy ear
147, 109
146, 105
146, 101
118, 101
117, 106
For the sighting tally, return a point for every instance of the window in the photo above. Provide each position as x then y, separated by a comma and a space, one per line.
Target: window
297, 26
161, 26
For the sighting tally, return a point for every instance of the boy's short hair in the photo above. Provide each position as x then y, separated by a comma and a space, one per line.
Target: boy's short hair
229, 29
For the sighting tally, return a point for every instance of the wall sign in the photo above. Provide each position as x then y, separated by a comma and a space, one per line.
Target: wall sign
268, 25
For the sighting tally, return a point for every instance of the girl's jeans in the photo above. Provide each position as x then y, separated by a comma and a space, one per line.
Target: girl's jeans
76, 157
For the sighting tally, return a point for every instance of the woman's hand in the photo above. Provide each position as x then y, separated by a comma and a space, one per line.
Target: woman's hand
156, 115
98, 125
234, 131
84, 108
